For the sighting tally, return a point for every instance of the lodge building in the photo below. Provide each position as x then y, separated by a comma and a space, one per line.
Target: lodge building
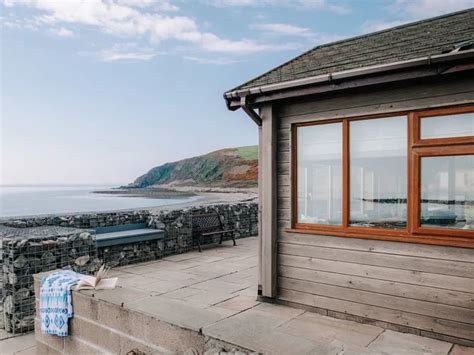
366, 178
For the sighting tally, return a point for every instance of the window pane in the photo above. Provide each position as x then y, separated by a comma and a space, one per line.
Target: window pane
378, 172
319, 160
447, 192
461, 125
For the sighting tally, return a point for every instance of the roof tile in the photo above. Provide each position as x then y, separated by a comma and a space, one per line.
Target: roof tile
428, 37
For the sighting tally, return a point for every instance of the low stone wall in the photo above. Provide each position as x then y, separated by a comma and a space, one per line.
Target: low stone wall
38, 244
27, 251
85, 220
240, 217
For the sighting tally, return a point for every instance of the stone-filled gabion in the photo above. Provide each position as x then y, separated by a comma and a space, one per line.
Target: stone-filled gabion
125, 254
36, 244
241, 217
27, 251
86, 220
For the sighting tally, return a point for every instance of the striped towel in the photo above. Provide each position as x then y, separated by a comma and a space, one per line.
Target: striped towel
55, 301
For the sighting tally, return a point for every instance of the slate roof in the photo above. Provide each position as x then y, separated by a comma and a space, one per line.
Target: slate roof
428, 37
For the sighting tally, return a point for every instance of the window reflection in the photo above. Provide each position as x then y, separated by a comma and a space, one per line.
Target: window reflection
378, 172
447, 192
319, 150
460, 125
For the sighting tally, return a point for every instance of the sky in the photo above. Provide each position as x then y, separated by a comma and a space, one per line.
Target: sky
99, 92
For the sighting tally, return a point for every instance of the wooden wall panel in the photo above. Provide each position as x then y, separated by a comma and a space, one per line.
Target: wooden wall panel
430, 288
268, 201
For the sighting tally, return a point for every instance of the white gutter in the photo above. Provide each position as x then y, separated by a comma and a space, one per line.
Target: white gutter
347, 74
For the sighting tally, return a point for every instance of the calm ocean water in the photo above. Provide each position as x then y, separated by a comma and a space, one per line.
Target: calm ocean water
38, 200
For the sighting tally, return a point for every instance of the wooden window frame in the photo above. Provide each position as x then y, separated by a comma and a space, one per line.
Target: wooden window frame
416, 149
418, 117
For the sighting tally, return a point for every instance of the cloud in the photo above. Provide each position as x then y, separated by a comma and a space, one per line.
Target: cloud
298, 4
212, 43
127, 19
322, 4
62, 32
340, 9
237, 3
414, 10
15, 23
214, 61
374, 26
420, 9
284, 29
159, 5
129, 52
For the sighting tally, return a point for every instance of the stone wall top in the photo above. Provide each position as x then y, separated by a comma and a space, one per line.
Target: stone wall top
111, 218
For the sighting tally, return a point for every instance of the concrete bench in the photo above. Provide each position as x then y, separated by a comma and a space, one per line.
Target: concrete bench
126, 234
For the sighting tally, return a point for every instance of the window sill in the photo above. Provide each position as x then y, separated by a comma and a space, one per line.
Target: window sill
417, 239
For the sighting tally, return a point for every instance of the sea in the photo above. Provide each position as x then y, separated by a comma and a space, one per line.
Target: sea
42, 200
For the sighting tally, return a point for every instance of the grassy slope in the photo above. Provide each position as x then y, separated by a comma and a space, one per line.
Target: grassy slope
248, 153
233, 167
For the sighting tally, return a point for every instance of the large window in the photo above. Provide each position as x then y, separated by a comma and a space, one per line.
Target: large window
460, 125
320, 174
378, 172
405, 177
447, 192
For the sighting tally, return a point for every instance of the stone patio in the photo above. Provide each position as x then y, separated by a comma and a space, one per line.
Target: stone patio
212, 295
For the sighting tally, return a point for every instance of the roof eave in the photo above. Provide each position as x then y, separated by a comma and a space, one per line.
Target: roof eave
371, 75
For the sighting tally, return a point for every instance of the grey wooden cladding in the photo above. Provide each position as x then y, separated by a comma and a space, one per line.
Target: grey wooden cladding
418, 282
449, 312
443, 267
418, 250
433, 324
407, 276
418, 292
430, 288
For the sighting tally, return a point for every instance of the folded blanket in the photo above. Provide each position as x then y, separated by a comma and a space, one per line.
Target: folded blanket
55, 301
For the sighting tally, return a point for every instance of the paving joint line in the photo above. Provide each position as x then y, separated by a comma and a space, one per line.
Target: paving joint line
289, 320
373, 340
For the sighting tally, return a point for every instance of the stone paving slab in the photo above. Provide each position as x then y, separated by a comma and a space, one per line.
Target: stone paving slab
181, 257
176, 312
284, 331
323, 329
238, 303
182, 293
4, 334
461, 350
255, 330
222, 286
17, 345
205, 299
391, 342
120, 295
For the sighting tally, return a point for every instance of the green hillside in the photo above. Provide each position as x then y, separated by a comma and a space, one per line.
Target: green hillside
231, 167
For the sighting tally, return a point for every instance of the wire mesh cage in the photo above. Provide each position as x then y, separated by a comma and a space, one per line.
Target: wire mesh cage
28, 251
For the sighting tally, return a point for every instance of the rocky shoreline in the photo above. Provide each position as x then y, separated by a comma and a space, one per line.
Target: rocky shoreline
159, 193
202, 195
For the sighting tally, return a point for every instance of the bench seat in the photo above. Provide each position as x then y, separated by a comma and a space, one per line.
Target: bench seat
209, 224
107, 236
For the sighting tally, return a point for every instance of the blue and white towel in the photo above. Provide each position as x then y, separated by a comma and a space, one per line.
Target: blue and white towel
55, 301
